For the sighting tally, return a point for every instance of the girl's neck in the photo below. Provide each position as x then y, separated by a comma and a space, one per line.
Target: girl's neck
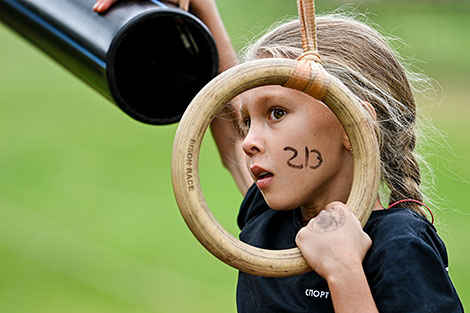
307, 213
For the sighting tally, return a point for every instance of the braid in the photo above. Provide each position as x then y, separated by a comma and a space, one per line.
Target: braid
402, 174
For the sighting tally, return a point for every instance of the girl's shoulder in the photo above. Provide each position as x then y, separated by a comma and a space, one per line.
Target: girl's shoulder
402, 231
397, 220
408, 263
400, 224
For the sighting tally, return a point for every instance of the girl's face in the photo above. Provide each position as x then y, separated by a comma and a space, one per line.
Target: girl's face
296, 150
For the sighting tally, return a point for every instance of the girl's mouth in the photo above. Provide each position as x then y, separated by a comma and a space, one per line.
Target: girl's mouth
264, 180
262, 177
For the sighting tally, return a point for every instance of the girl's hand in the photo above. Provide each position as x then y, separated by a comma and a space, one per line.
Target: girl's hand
333, 242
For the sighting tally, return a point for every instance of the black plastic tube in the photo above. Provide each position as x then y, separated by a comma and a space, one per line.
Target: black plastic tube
148, 58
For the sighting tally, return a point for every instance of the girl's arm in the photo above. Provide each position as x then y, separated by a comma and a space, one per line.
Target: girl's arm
222, 127
334, 245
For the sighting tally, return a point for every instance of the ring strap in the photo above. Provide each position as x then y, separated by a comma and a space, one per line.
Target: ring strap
309, 75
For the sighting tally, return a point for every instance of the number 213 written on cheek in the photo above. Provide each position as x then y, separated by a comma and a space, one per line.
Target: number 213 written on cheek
312, 158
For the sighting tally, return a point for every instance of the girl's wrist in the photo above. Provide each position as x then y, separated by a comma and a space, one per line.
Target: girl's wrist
350, 290
339, 272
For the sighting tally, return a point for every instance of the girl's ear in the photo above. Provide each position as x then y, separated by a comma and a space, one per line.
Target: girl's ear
346, 142
370, 109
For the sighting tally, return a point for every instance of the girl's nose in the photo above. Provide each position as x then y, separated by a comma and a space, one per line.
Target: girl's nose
252, 143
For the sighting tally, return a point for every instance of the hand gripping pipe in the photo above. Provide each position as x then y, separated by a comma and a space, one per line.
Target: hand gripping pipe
148, 58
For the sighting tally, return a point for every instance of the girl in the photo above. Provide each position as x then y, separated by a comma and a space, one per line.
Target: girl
397, 263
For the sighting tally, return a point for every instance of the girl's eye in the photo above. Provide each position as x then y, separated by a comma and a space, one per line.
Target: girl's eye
277, 114
247, 122
244, 127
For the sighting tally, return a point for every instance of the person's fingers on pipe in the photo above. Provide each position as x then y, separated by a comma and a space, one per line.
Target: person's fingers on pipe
102, 5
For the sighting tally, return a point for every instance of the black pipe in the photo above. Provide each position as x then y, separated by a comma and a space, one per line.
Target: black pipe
150, 59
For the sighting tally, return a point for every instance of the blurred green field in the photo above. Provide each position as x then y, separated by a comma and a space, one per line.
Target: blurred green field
88, 222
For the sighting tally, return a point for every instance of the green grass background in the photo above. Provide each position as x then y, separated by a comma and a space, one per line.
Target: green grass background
88, 222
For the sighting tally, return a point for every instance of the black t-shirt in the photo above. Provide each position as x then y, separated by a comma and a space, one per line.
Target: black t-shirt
407, 266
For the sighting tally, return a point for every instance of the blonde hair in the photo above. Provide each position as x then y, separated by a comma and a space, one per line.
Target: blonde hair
360, 57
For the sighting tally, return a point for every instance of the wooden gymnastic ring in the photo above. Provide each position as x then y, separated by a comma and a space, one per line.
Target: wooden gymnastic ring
185, 172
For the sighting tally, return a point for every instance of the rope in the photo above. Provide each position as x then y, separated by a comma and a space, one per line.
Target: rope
306, 10
309, 76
